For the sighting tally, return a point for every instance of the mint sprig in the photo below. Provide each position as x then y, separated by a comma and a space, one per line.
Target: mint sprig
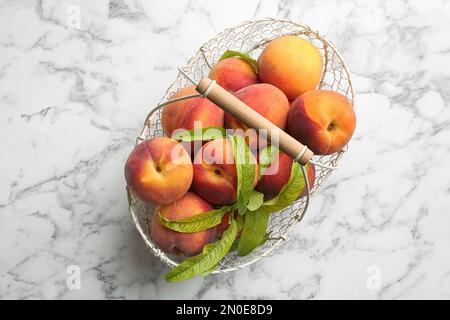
242, 55
206, 261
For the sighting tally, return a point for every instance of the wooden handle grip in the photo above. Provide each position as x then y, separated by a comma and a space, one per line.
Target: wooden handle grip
253, 119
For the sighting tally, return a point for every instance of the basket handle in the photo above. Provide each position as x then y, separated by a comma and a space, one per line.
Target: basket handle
252, 119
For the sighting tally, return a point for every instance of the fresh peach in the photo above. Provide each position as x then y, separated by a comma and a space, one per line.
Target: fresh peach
292, 64
233, 74
159, 170
278, 174
177, 243
268, 101
215, 177
183, 114
324, 120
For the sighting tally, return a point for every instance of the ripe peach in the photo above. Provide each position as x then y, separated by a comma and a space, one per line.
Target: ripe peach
177, 243
183, 114
159, 170
233, 74
268, 101
323, 120
292, 64
271, 184
215, 177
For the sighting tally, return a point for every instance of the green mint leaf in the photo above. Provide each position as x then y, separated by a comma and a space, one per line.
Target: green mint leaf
243, 55
254, 231
266, 157
290, 192
208, 259
198, 222
208, 133
256, 200
245, 169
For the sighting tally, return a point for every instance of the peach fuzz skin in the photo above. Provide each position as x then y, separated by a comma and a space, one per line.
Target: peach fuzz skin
177, 243
233, 74
271, 185
183, 114
292, 64
268, 101
324, 120
215, 177
159, 171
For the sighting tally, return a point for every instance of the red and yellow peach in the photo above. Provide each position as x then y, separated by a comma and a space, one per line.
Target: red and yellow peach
215, 177
233, 74
292, 64
268, 101
278, 174
324, 120
159, 170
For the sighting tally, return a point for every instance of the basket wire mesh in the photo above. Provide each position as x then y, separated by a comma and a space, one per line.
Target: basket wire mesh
250, 37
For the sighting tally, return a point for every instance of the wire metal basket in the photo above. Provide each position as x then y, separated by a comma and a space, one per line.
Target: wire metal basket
249, 37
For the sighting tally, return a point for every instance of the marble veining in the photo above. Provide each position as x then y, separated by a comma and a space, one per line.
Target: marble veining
73, 97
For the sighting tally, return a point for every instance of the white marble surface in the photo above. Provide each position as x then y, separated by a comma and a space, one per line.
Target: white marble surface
73, 100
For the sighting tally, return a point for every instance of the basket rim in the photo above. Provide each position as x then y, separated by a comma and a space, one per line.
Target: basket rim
147, 125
